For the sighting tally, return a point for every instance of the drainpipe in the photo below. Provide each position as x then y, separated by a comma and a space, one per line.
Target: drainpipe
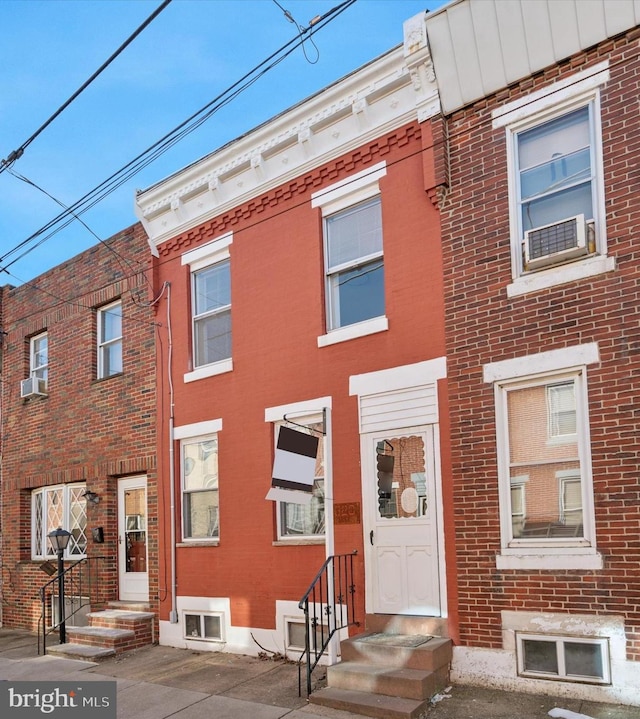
173, 616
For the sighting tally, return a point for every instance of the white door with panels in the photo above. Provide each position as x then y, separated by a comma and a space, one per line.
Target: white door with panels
401, 531
132, 539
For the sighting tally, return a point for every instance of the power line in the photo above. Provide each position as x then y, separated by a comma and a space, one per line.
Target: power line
17, 154
125, 173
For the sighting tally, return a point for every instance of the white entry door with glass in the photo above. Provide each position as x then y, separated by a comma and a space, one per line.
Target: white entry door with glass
132, 539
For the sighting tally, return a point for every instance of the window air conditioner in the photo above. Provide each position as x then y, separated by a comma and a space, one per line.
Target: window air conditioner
33, 385
550, 244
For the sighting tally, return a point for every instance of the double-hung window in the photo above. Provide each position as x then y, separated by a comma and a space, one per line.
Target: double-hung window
353, 256
60, 506
210, 267
355, 265
305, 521
200, 505
110, 340
556, 189
544, 461
39, 357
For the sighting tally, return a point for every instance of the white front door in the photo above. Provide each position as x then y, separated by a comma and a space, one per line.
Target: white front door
132, 539
401, 533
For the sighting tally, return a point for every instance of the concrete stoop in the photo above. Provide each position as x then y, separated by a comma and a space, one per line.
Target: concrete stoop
110, 632
391, 675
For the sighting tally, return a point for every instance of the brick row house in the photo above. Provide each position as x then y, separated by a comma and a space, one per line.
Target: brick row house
427, 269
78, 433
541, 275
301, 284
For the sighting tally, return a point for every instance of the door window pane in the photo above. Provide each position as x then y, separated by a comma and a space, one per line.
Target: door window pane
400, 486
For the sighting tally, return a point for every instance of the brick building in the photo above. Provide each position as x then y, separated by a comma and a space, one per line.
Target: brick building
541, 303
79, 431
300, 267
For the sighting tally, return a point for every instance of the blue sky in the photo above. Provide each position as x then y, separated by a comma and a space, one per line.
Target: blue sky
189, 54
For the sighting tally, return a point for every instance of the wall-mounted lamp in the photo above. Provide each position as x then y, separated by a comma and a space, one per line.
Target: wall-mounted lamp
91, 496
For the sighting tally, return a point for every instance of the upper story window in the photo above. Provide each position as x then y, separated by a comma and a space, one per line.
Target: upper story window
556, 182
37, 381
210, 267
110, 340
61, 506
355, 266
212, 314
353, 256
544, 461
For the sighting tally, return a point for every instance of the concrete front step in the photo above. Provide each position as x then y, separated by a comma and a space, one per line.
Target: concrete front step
371, 705
406, 624
105, 637
85, 652
129, 606
393, 682
392, 651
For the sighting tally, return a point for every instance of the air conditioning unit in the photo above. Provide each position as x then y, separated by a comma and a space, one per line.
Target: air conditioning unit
32, 386
550, 244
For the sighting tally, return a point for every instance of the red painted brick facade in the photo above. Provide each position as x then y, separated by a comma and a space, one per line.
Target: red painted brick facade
484, 325
277, 316
85, 429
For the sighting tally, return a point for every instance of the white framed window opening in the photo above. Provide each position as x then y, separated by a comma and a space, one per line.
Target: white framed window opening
39, 357
305, 521
557, 186
578, 659
211, 302
354, 264
202, 626
110, 340
61, 506
200, 500
547, 484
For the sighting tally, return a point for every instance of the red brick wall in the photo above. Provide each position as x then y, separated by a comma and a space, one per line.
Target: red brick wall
483, 325
277, 316
84, 429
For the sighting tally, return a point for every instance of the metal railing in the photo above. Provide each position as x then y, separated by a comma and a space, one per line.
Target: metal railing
80, 582
328, 606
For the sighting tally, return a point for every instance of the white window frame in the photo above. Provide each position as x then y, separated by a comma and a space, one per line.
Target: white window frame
201, 258
41, 546
188, 434
572, 93
559, 642
203, 637
538, 370
305, 420
104, 345
36, 367
342, 195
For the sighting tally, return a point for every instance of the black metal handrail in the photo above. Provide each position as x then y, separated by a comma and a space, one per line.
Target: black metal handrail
80, 578
328, 606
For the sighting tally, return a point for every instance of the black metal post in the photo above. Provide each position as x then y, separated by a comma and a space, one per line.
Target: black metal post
61, 611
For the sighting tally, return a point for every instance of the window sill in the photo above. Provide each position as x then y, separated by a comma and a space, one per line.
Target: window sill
350, 332
199, 543
549, 561
297, 542
560, 275
210, 370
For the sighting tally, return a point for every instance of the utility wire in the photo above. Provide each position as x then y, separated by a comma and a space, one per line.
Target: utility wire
17, 154
165, 143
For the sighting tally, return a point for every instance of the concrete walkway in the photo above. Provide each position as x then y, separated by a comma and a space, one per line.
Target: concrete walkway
158, 682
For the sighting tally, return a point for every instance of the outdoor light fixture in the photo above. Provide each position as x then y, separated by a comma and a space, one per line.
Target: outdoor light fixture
59, 539
91, 496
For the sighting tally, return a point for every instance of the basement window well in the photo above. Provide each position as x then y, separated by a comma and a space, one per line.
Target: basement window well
574, 659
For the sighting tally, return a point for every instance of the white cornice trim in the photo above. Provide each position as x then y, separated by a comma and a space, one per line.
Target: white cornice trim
386, 94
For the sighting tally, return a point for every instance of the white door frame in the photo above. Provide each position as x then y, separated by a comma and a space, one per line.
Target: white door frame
132, 585
433, 474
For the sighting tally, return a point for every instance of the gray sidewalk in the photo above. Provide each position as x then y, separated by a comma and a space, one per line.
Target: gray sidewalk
158, 682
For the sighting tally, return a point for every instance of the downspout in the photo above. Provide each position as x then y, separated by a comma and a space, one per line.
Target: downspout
173, 615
